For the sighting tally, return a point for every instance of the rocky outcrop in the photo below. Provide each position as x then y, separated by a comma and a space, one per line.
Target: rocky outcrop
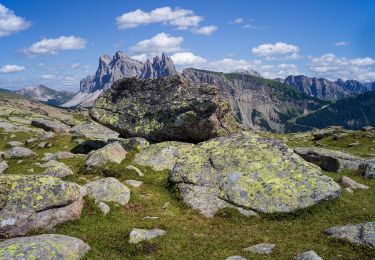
49, 246
29, 202
361, 234
50, 125
170, 108
249, 172
329, 160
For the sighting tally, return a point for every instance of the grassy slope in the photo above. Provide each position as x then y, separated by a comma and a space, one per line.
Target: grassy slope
191, 236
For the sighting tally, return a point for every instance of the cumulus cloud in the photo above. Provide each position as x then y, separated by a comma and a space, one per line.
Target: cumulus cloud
162, 42
237, 21
270, 49
10, 23
75, 65
53, 46
11, 69
206, 30
362, 61
338, 44
61, 80
141, 57
187, 58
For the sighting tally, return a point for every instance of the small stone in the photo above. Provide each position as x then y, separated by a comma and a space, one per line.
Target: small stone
42, 145
138, 235
111, 153
104, 208
3, 166
14, 144
262, 248
349, 183
150, 217
235, 257
349, 190
166, 205
353, 144
138, 171
368, 169
308, 255
134, 183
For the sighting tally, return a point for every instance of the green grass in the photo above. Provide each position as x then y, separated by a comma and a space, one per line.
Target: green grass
192, 236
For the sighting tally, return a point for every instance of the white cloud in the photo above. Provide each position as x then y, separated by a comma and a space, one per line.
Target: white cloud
338, 44
237, 21
75, 65
48, 77
53, 46
187, 58
10, 23
11, 69
206, 30
362, 61
161, 42
279, 48
249, 26
181, 18
60, 80
141, 57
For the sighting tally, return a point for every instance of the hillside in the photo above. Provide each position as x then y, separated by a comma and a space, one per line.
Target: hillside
45, 94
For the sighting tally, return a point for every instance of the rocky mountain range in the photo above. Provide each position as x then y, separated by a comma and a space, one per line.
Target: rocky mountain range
115, 68
328, 90
45, 94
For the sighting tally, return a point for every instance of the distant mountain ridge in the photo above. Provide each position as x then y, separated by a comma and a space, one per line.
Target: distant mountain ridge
327, 90
42, 93
115, 68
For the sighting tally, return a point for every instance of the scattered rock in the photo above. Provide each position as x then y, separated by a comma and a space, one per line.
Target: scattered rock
14, 144
368, 169
30, 202
111, 153
58, 156
49, 246
262, 248
235, 257
323, 133
56, 169
368, 128
258, 174
87, 146
133, 168
46, 136
134, 183
329, 160
161, 156
138, 235
19, 152
104, 207
349, 190
94, 131
308, 255
354, 144
349, 183
132, 144
361, 234
43, 145
31, 170
176, 109
3, 166
149, 217
108, 189
50, 125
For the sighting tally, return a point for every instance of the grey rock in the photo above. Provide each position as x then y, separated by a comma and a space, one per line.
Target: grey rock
235, 257
108, 189
349, 183
361, 234
43, 247
132, 144
93, 131
250, 176
326, 132
111, 153
368, 128
30, 202
138, 235
349, 190
329, 160
368, 169
14, 144
58, 156
3, 166
49, 125
19, 152
262, 248
43, 145
134, 183
56, 169
308, 255
104, 208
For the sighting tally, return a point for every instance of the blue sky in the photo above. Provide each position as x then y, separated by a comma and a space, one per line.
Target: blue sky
57, 43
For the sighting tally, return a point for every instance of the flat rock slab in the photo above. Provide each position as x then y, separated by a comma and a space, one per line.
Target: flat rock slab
262, 248
361, 234
56, 169
50, 125
250, 172
111, 153
43, 247
138, 235
108, 189
94, 131
349, 183
19, 152
29, 202
329, 160
308, 255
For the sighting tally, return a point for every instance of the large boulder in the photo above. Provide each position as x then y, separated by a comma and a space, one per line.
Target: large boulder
49, 246
361, 234
29, 202
329, 160
111, 153
249, 172
170, 108
51, 125
93, 131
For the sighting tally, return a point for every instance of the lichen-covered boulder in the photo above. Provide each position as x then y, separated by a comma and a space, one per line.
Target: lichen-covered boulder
368, 168
250, 172
161, 156
56, 169
43, 247
50, 125
29, 202
19, 152
108, 189
169, 108
111, 153
361, 234
93, 131
132, 144
329, 160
